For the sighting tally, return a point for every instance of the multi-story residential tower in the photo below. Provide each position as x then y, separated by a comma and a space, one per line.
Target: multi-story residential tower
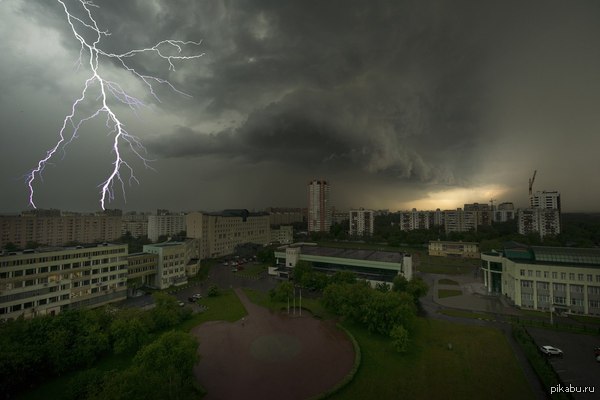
219, 233
48, 281
56, 228
319, 206
361, 222
136, 224
165, 224
503, 212
543, 216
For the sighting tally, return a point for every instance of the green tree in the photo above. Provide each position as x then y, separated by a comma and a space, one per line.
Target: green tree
282, 292
400, 338
166, 312
213, 291
128, 331
385, 310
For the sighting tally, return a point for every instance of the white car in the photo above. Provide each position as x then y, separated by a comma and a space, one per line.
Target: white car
551, 351
197, 296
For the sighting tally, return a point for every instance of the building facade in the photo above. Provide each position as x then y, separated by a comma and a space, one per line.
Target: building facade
56, 228
165, 224
283, 235
48, 281
560, 279
362, 222
172, 263
219, 233
454, 249
136, 224
543, 216
319, 206
373, 266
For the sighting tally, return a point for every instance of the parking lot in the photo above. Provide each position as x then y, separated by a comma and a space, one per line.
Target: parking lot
578, 366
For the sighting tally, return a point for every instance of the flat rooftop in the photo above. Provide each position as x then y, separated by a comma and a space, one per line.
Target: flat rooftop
355, 254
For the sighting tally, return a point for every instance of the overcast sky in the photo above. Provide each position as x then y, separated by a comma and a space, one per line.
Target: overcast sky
399, 104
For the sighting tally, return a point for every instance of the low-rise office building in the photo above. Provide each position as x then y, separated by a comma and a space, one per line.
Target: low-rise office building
542, 278
48, 281
173, 262
454, 249
373, 266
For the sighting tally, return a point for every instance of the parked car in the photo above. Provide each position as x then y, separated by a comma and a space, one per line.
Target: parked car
181, 304
192, 299
551, 351
197, 296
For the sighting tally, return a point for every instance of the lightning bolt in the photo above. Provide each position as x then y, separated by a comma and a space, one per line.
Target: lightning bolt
86, 31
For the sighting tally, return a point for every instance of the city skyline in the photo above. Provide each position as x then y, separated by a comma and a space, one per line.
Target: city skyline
399, 105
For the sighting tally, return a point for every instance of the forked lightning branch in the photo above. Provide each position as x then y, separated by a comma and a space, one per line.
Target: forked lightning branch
104, 91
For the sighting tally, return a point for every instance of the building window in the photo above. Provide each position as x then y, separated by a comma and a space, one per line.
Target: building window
577, 302
594, 303
559, 287
560, 300
526, 284
555, 275
563, 275
571, 276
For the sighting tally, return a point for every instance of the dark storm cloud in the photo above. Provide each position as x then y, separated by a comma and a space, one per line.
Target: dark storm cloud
390, 88
422, 96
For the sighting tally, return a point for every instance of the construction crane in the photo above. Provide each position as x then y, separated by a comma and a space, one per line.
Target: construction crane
531, 183
492, 204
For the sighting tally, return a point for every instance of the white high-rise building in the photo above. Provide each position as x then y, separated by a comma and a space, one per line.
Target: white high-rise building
165, 225
545, 200
361, 222
543, 216
319, 207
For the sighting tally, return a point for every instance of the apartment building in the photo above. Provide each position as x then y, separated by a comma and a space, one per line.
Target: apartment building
220, 232
136, 224
56, 228
165, 224
543, 216
361, 222
48, 281
320, 212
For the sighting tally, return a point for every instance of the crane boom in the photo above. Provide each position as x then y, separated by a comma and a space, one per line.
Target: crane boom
531, 183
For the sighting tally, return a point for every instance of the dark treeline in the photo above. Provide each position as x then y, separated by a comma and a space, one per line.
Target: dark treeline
36, 350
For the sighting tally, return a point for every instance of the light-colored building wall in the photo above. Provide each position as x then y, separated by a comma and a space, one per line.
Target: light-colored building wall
362, 222
45, 282
220, 233
283, 235
142, 269
454, 249
541, 278
165, 225
171, 263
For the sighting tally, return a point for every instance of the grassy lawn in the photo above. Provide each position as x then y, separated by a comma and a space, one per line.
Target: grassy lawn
464, 314
448, 293
480, 365
447, 282
224, 307
253, 270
